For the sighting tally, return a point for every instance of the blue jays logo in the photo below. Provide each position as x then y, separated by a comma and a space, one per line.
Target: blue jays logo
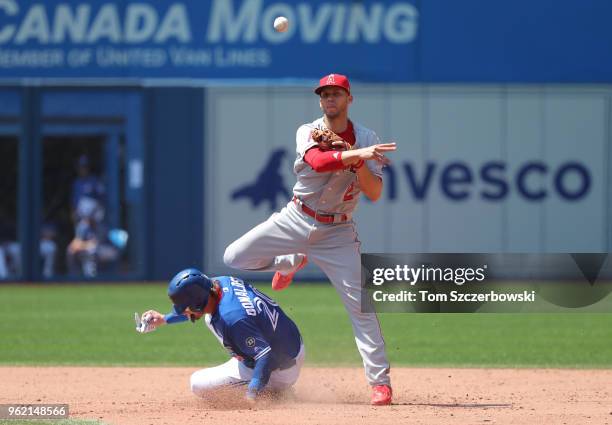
268, 184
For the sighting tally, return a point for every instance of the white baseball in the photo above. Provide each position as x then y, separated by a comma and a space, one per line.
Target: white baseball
281, 24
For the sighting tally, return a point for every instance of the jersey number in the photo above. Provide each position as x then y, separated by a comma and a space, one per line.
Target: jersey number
261, 302
349, 195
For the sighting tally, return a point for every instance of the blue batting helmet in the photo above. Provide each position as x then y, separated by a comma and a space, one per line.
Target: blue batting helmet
189, 288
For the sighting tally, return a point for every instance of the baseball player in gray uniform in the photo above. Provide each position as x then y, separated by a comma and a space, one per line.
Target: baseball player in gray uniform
317, 224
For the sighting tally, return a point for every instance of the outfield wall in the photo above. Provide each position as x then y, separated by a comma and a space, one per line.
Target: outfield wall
479, 168
181, 103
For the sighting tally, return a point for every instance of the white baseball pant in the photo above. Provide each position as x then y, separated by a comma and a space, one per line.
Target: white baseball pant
234, 372
279, 244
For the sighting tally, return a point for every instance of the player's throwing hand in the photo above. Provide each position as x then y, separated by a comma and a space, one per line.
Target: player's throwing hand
374, 152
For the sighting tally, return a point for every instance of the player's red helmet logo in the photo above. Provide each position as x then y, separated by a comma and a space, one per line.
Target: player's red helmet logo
334, 80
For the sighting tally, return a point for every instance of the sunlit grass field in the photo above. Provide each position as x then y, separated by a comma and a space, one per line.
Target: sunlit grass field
92, 324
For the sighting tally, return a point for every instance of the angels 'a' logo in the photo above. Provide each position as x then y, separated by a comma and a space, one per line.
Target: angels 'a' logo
331, 79
250, 342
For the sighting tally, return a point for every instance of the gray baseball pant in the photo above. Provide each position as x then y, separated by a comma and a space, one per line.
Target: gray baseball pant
279, 243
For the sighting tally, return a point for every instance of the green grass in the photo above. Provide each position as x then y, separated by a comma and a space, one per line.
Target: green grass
93, 325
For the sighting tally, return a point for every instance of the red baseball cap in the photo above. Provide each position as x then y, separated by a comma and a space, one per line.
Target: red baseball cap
334, 80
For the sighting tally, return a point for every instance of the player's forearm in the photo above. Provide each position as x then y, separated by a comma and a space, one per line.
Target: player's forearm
323, 162
261, 376
370, 184
172, 317
351, 157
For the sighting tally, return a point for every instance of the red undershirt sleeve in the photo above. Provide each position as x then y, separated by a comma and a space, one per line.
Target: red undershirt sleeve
324, 161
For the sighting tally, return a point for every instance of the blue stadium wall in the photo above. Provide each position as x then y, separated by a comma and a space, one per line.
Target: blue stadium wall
176, 179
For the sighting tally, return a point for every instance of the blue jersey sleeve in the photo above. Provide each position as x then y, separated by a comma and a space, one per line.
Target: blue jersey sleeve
175, 318
261, 375
248, 340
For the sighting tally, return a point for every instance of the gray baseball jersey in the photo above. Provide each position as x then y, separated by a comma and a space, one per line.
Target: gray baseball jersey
334, 192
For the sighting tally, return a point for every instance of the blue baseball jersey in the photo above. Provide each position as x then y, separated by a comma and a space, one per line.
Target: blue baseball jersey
251, 325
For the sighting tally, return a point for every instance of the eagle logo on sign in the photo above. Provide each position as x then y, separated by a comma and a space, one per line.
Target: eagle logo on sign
250, 342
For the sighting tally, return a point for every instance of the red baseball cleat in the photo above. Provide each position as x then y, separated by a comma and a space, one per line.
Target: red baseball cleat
281, 281
381, 395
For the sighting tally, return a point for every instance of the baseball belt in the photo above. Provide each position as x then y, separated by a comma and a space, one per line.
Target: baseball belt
327, 218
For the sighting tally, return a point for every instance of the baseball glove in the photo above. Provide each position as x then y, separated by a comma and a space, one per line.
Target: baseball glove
328, 140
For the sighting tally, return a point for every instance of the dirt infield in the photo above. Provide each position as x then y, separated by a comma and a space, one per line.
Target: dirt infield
143, 396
